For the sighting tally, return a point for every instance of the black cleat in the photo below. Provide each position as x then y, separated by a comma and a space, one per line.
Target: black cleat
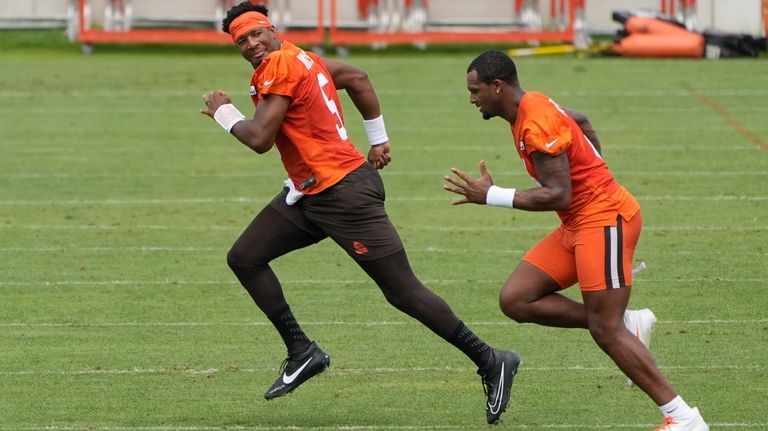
497, 378
297, 369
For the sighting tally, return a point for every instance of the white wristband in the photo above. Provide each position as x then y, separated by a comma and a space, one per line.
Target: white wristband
500, 197
377, 133
227, 116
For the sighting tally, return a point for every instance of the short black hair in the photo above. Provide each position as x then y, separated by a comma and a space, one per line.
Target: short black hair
239, 9
494, 64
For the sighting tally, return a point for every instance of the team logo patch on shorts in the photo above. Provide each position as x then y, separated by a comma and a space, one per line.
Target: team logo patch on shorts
360, 248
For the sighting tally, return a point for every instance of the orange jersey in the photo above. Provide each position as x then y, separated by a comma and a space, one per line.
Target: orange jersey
542, 126
312, 140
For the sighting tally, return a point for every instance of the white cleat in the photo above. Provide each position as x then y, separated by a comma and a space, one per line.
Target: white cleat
695, 423
640, 323
639, 268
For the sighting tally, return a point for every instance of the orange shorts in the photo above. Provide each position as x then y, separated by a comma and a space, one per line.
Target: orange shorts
597, 258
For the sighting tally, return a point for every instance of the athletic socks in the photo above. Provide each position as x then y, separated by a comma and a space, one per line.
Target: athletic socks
462, 338
293, 336
466, 341
677, 409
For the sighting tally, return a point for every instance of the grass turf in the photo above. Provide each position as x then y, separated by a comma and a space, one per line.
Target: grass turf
118, 202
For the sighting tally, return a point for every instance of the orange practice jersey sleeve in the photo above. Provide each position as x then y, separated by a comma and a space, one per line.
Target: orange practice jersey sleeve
312, 140
543, 126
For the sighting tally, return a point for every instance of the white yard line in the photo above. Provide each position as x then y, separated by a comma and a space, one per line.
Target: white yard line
252, 200
452, 251
730, 228
342, 371
491, 146
393, 173
666, 94
329, 323
333, 282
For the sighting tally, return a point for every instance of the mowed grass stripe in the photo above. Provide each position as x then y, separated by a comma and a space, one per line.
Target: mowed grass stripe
47, 176
333, 282
223, 249
333, 323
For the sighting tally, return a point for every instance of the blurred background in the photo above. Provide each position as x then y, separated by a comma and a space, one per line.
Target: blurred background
377, 22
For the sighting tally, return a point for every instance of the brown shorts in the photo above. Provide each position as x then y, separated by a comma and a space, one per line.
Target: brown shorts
597, 258
351, 213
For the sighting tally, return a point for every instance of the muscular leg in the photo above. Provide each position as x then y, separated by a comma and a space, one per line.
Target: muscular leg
267, 237
605, 310
530, 295
271, 234
398, 283
405, 292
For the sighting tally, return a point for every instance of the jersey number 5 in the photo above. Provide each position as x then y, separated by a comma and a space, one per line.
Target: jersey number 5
323, 81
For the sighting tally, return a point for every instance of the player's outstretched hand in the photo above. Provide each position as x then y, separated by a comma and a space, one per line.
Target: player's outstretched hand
213, 100
473, 190
379, 155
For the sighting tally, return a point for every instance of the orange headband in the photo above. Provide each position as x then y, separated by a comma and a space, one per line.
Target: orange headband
247, 22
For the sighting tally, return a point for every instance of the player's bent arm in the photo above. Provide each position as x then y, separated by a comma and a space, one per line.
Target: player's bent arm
357, 85
360, 90
586, 127
259, 132
554, 194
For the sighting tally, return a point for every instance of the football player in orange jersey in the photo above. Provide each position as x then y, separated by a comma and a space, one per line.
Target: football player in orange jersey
594, 245
332, 191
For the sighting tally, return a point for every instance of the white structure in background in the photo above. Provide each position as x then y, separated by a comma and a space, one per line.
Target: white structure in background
26, 14
530, 15
734, 16
737, 16
416, 17
118, 15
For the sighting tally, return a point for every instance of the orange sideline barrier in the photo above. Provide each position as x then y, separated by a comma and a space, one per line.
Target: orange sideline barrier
88, 36
333, 36
190, 37
342, 37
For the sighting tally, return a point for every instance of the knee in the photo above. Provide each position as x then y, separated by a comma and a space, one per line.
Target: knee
409, 295
603, 332
234, 259
513, 306
396, 299
239, 260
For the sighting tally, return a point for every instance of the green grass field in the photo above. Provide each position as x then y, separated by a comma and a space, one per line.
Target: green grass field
118, 202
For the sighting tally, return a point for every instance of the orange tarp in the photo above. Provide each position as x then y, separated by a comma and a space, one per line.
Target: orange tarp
651, 37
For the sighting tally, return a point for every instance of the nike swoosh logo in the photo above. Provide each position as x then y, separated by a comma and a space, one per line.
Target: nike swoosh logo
289, 378
266, 83
550, 144
496, 406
